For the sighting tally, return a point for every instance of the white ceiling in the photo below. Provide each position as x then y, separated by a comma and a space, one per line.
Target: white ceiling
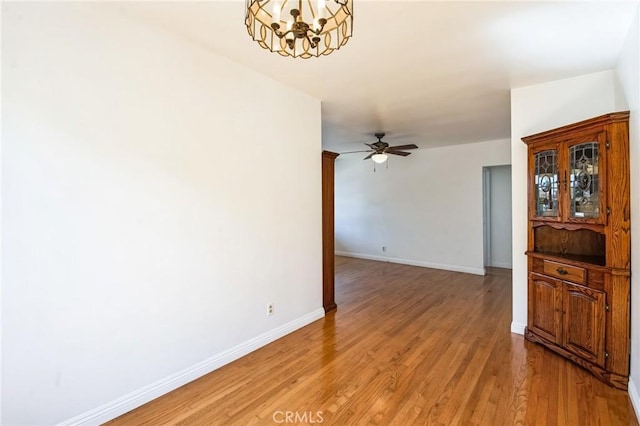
430, 73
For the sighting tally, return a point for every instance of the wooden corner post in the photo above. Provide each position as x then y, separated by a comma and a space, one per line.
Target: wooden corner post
328, 225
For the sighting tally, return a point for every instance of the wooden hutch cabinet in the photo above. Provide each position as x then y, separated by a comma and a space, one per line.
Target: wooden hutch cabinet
579, 244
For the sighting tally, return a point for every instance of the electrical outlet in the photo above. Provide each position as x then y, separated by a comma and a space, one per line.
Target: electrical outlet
270, 309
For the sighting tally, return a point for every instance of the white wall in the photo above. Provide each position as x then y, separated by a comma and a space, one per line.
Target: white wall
1, 221
628, 76
500, 216
152, 208
426, 209
535, 109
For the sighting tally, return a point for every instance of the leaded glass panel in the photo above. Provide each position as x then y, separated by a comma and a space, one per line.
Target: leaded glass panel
583, 179
546, 183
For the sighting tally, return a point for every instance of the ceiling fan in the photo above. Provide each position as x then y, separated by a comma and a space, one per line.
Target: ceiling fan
379, 150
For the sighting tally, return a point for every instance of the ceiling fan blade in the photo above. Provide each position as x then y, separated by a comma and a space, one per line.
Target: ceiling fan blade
370, 145
411, 146
390, 151
369, 156
353, 152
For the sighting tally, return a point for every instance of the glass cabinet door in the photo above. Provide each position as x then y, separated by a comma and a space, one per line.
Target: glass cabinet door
545, 180
584, 181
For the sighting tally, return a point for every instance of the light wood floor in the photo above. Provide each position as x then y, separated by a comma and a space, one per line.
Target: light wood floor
408, 345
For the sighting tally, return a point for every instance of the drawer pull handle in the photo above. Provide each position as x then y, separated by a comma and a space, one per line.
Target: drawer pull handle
561, 271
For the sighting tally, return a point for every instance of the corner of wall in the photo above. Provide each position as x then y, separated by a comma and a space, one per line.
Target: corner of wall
619, 98
634, 395
518, 328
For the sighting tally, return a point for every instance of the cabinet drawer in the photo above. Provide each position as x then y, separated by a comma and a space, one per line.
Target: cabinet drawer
565, 272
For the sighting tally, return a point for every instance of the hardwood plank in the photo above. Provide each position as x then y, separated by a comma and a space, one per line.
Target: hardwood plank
408, 345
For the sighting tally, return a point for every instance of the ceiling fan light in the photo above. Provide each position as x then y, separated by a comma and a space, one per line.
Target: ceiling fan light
379, 158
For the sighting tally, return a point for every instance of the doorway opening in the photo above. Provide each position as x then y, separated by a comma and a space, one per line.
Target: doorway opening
496, 216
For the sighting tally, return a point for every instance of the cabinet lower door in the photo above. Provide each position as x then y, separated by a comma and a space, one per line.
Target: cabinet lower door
584, 322
545, 307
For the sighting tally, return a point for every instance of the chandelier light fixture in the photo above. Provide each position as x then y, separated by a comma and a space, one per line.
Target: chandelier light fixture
300, 28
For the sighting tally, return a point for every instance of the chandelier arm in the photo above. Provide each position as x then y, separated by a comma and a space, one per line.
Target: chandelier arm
311, 43
280, 34
322, 23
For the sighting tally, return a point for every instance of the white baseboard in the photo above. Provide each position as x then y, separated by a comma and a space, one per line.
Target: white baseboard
518, 328
634, 395
501, 265
454, 268
135, 399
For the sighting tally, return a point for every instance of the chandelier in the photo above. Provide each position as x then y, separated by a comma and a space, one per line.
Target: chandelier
300, 28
